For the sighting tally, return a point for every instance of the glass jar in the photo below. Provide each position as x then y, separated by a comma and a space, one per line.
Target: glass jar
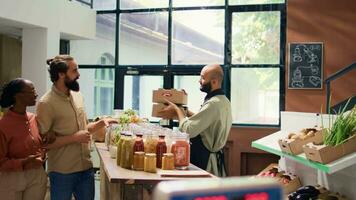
181, 151
108, 137
168, 161
138, 145
119, 147
161, 148
127, 152
138, 160
150, 143
150, 163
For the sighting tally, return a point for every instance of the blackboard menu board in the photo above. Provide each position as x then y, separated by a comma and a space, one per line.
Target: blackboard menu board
305, 66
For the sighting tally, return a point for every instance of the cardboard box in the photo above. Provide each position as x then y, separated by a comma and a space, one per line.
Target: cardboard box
173, 95
325, 154
157, 107
291, 186
295, 146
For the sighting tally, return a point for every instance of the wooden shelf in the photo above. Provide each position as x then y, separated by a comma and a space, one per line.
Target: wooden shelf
270, 144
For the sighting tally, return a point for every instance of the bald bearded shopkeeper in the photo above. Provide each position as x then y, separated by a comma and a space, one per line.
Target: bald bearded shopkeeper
209, 128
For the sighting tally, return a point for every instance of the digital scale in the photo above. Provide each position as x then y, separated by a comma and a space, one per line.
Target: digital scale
236, 188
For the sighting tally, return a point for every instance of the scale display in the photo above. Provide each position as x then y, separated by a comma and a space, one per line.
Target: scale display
221, 189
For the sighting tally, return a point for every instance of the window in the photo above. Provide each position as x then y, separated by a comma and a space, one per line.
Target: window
153, 45
90, 52
98, 91
138, 93
143, 38
255, 37
194, 42
139, 4
104, 4
192, 87
256, 95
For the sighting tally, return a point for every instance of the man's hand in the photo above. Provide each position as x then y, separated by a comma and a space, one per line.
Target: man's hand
102, 123
109, 121
82, 136
32, 161
48, 138
169, 112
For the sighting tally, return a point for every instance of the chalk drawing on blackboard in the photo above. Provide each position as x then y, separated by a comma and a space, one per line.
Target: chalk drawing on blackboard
314, 80
296, 55
305, 67
298, 78
312, 58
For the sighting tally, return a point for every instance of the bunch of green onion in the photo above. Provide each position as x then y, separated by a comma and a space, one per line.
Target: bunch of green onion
342, 128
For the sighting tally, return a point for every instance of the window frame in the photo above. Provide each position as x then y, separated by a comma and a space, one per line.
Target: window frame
169, 70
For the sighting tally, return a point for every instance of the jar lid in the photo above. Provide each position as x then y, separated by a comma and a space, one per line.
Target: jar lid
150, 154
168, 154
139, 153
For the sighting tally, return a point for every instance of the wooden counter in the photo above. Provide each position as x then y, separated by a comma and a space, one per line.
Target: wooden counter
114, 178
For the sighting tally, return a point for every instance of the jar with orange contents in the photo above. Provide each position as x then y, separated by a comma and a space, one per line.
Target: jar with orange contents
181, 151
168, 161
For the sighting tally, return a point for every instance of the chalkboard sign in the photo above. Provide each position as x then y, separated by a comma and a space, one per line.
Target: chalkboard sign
305, 66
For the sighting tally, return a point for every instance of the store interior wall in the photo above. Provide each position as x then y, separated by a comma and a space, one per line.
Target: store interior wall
10, 58
327, 21
332, 23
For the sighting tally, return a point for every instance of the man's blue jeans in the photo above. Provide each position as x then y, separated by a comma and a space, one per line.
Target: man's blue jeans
80, 184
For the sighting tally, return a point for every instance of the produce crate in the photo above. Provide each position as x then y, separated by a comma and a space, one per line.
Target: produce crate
295, 146
289, 187
325, 154
173, 95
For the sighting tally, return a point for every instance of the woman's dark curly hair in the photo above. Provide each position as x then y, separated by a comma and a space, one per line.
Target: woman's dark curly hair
9, 90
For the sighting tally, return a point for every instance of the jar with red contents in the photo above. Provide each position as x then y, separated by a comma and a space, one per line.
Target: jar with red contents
181, 151
138, 145
161, 148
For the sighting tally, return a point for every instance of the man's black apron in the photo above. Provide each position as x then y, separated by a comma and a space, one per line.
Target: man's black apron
199, 154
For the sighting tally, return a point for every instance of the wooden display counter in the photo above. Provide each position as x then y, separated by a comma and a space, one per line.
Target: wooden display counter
120, 183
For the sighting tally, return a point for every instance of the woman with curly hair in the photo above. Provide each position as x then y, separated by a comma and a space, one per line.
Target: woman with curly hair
22, 176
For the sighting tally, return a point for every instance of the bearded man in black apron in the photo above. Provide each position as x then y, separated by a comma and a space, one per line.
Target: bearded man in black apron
209, 128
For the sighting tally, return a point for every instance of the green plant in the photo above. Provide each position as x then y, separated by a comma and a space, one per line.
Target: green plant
342, 128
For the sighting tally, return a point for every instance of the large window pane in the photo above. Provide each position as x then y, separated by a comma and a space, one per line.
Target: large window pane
138, 93
191, 85
137, 4
101, 50
104, 4
189, 3
143, 38
97, 86
256, 37
255, 95
245, 2
198, 37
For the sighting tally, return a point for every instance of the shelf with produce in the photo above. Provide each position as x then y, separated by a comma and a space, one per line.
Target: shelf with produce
270, 144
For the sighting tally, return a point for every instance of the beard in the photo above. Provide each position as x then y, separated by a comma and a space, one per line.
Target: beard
72, 84
206, 87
